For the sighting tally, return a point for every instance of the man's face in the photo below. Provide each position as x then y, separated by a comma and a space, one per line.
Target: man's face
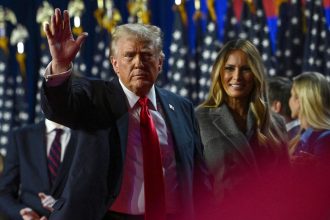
137, 64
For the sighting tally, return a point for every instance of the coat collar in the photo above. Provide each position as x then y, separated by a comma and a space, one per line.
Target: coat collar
224, 122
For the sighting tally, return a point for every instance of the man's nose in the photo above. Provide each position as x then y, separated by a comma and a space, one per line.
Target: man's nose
138, 61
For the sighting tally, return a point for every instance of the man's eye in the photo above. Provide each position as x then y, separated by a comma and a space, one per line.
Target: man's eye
147, 56
128, 55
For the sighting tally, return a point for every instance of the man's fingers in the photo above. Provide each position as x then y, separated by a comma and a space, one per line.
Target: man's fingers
47, 201
25, 211
48, 31
58, 19
42, 195
81, 38
52, 25
28, 213
66, 22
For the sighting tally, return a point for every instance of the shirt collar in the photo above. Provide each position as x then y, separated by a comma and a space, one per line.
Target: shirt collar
51, 126
133, 98
292, 124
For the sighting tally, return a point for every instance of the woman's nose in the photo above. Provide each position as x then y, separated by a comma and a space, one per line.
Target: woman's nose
237, 73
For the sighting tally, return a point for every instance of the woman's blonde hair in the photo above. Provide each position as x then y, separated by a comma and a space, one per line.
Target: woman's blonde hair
312, 89
258, 97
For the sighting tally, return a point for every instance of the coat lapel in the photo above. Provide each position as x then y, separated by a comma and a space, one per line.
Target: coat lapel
224, 122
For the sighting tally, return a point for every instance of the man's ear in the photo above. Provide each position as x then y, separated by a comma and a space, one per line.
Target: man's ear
114, 63
276, 106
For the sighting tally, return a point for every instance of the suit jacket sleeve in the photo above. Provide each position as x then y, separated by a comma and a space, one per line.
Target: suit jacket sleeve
82, 103
9, 183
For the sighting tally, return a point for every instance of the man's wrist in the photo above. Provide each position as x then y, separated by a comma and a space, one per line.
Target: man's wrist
53, 79
59, 67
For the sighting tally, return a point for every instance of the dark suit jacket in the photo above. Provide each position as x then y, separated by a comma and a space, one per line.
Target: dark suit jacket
100, 108
26, 174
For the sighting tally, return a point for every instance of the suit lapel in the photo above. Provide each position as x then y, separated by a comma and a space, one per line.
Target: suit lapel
224, 122
38, 146
122, 126
121, 112
171, 116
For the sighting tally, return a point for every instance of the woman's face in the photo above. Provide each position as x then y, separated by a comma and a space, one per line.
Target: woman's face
294, 104
237, 78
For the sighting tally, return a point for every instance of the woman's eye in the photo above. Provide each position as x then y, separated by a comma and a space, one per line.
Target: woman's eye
229, 68
246, 70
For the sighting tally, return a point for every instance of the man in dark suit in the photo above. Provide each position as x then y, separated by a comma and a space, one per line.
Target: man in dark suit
26, 176
108, 178
279, 89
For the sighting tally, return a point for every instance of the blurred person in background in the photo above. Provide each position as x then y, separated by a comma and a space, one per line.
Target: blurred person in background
34, 171
279, 89
310, 103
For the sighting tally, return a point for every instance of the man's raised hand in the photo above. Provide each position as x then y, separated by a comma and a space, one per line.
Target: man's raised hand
63, 47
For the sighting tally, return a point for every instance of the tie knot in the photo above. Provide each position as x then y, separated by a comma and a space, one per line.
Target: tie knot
58, 132
143, 101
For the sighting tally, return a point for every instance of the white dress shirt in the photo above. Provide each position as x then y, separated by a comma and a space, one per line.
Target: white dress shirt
131, 197
50, 136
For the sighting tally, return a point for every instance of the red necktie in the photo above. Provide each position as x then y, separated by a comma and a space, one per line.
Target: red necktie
54, 157
154, 189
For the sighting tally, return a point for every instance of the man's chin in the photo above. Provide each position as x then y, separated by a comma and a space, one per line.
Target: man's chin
142, 87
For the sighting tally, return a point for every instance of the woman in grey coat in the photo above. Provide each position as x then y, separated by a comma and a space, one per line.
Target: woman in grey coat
241, 136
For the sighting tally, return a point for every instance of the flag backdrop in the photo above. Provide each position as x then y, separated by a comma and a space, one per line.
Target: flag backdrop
291, 35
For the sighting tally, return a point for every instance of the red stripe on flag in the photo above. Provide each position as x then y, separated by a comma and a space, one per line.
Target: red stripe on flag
326, 3
238, 5
269, 7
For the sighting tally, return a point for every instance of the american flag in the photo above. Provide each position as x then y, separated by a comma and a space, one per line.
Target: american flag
231, 27
13, 102
210, 48
138, 11
45, 58
44, 13
107, 18
290, 39
79, 64
317, 45
178, 75
5, 114
195, 58
18, 39
247, 21
254, 27
101, 67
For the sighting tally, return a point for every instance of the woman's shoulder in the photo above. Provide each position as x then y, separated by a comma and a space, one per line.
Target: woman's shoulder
323, 135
